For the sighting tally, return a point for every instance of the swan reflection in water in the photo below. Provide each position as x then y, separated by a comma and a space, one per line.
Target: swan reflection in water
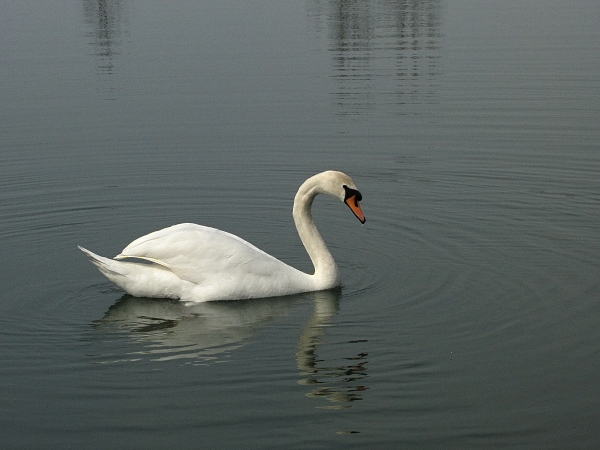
339, 384
202, 333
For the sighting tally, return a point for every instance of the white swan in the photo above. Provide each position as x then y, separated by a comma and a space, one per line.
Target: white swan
195, 263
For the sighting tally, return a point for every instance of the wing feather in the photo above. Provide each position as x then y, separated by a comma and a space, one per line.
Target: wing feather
197, 253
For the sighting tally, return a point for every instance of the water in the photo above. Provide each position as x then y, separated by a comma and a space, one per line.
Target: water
470, 306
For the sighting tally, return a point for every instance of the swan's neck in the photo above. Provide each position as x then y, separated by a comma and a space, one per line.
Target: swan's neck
327, 274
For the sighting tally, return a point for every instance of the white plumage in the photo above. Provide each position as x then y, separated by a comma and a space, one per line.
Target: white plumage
196, 263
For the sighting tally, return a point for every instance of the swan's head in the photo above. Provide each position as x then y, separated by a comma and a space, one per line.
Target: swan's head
352, 198
340, 186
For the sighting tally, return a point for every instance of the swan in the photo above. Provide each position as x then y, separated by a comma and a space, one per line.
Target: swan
195, 263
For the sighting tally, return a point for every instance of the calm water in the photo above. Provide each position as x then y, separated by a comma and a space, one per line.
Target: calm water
470, 308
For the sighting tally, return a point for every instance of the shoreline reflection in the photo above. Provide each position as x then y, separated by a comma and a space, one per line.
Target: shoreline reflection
383, 53
108, 22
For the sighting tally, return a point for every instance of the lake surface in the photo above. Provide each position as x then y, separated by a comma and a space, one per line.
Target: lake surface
469, 314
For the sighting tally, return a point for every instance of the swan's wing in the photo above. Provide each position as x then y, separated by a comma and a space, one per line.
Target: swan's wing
197, 253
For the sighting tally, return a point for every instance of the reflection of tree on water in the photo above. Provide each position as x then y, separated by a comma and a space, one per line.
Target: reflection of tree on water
384, 52
340, 384
107, 21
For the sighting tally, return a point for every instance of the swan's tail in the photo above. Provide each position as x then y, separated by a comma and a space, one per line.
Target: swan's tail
109, 267
138, 279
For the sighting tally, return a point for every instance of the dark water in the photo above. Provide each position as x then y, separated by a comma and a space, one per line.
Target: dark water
470, 308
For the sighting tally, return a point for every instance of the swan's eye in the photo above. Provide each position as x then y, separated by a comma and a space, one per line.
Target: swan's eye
352, 193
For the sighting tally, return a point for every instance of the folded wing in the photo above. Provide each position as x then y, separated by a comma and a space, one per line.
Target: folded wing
199, 254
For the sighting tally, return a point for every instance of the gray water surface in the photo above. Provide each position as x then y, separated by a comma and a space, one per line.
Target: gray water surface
470, 306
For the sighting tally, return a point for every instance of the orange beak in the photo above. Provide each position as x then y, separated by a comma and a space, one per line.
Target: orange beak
353, 204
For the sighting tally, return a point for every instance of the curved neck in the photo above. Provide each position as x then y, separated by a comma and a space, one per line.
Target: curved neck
327, 274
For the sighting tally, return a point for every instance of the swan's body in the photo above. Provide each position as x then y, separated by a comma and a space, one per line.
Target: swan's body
197, 263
